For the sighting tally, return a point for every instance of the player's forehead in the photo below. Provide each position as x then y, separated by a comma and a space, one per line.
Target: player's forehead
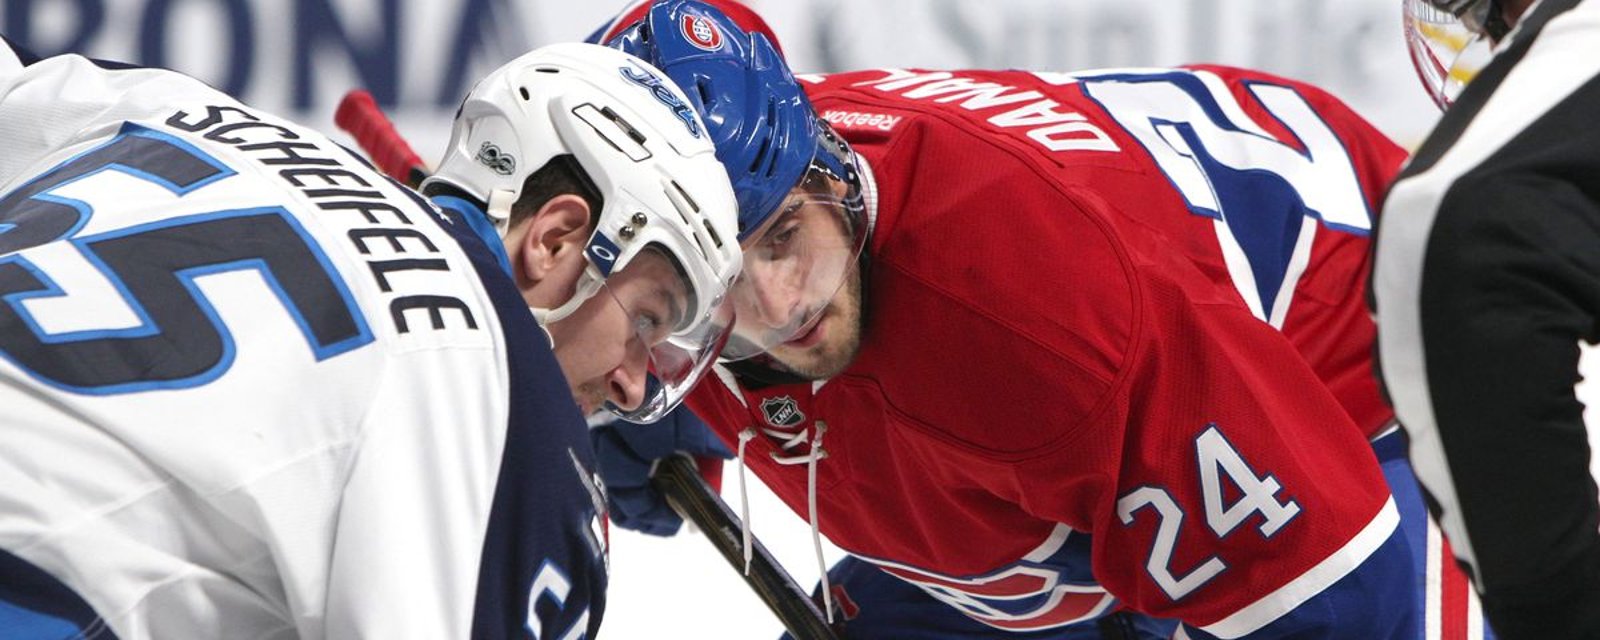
652, 278
817, 184
652, 265
807, 199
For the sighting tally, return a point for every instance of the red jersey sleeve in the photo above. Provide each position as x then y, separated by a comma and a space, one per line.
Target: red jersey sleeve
1228, 493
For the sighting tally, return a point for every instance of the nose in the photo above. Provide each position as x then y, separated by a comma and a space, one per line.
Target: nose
771, 295
625, 384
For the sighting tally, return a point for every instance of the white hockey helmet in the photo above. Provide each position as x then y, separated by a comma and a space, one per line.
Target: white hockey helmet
638, 141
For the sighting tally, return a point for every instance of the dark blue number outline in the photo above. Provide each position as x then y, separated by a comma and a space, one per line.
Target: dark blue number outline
358, 334
1267, 245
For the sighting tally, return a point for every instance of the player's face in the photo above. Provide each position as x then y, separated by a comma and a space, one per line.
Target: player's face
793, 300
800, 290
604, 346
831, 344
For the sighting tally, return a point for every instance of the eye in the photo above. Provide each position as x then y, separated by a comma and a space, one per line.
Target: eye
787, 226
649, 326
784, 235
656, 316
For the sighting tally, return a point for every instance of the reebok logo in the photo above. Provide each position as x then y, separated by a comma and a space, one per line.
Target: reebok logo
856, 120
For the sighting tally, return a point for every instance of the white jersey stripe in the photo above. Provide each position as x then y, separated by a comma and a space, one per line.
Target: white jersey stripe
1432, 610
9, 62
1333, 568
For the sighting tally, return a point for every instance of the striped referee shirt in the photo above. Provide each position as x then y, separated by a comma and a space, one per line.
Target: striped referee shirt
1487, 291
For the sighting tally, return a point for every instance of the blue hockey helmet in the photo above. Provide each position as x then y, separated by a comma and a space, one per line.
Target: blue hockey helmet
788, 168
764, 128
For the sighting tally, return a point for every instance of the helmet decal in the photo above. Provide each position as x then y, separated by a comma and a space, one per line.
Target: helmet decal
702, 33
664, 96
490, 155
603, 253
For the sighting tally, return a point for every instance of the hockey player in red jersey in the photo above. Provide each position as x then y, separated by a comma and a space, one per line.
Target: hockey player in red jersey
1104, 364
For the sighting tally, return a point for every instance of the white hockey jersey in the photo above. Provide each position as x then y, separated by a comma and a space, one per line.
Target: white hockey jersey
250, 388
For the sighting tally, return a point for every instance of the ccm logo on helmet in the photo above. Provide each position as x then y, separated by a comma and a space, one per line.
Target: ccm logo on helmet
664, 96
702, 33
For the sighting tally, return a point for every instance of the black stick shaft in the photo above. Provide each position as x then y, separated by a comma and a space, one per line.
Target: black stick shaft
677, 478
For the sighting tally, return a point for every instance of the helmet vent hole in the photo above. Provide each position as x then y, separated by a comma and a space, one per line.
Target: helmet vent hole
686, 198
623, 124
761, 155
767, 155
715, 239
702, 86
524, 92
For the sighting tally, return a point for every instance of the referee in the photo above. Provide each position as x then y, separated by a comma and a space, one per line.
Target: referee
1486, 281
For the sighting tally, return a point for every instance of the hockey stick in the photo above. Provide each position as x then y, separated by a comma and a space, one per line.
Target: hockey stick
358, 115
675, 477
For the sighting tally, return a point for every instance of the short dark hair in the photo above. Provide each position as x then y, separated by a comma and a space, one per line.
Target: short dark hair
562, 174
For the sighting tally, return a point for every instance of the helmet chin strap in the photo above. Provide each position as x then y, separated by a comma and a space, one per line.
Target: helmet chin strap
588, 284
499, 209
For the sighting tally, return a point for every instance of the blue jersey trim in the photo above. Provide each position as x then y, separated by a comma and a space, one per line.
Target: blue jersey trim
544, 503
480, 224
34, 604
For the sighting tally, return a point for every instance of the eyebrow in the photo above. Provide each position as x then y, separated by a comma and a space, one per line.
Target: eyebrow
674, 310
790, 210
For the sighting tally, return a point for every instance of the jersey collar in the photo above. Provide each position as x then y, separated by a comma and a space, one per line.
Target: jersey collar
477, 220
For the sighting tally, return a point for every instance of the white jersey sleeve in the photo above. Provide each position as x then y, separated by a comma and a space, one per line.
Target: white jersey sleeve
10, 58
252, 388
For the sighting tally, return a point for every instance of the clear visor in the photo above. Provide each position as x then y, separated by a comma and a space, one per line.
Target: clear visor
670, 346
1447, 51
796, 262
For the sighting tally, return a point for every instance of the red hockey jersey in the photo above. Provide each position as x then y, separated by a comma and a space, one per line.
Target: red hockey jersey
1115, 347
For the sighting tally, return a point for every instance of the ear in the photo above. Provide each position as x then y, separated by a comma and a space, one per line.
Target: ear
547, 248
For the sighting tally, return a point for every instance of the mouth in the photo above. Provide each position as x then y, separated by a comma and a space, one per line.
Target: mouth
810, 335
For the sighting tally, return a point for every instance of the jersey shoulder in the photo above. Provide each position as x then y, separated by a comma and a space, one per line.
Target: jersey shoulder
1029, 211
989, 243
227, 249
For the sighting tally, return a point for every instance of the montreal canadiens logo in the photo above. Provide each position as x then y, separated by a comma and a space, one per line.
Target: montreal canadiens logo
702, 33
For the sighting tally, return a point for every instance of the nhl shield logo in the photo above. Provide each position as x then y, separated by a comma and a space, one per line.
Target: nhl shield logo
702, 33
782, 411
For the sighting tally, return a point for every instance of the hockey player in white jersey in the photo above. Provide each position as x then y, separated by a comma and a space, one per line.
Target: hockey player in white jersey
250, 388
